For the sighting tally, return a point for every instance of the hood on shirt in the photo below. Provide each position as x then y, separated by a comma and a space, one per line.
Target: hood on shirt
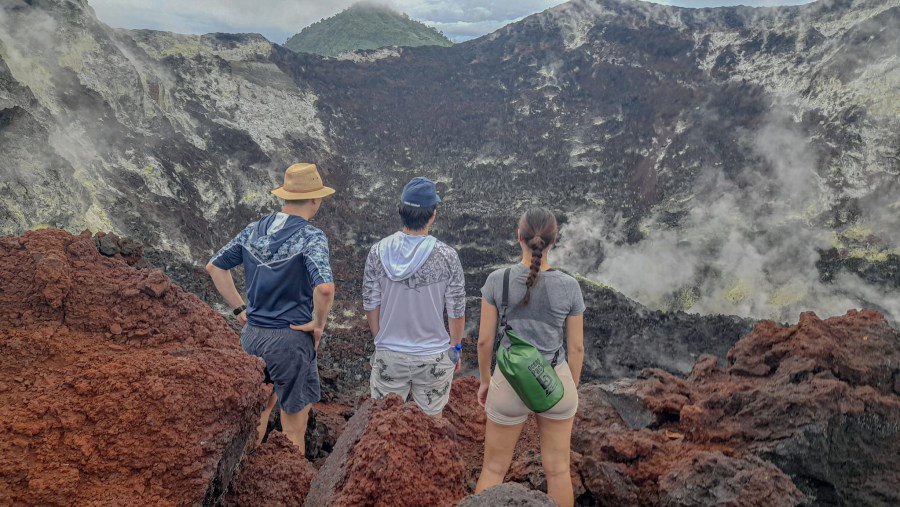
271, 233
403, 254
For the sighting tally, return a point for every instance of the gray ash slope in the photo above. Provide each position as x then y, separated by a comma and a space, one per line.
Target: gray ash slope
609, 110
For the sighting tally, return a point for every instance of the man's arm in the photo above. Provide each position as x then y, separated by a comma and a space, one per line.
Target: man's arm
319, 268
455, 296
323, 298
225, 285
371, 290
374, 316
457, 333
228, 257
457, 330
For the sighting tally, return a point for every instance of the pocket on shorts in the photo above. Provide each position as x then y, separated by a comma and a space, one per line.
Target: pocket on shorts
446, 359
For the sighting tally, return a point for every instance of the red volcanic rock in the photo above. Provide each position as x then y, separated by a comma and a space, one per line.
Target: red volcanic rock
274, 474
467, 417
859, 349
817, 400
116, 387
391, 454
628, 467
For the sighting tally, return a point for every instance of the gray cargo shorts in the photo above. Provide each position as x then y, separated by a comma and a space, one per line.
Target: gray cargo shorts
428, 378
290, 358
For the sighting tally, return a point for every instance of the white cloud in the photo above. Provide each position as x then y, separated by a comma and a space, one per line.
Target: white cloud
276, 19
698, 4
279, 19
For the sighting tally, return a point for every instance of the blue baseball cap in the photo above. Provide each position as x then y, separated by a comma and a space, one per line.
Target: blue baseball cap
420, 193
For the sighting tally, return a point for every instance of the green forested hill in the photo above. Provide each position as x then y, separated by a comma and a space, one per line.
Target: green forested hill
364, 26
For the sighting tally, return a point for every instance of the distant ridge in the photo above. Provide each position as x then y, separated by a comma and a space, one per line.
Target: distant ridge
364, 26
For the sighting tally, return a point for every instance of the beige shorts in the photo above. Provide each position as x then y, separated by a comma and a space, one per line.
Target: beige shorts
504, 406
427, 378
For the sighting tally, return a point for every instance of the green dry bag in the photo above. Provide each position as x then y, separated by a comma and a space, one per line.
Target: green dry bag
530, 375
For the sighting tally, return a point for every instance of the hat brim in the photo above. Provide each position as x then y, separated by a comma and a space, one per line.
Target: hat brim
292, 196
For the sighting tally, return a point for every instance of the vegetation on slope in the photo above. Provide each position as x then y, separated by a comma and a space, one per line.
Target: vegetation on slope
364, 26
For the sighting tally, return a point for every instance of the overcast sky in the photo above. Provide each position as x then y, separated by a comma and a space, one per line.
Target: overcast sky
279, 19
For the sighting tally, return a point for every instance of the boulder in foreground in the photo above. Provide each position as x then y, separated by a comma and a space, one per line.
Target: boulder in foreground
274, 474
818, 400
116, 386
509, 494
391, 454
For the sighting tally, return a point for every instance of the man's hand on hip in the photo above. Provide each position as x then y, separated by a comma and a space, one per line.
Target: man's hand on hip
310, 327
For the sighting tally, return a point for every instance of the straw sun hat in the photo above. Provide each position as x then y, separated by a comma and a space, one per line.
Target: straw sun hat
302, 181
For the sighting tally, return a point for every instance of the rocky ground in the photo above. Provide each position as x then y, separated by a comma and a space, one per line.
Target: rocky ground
118, 387
807, 414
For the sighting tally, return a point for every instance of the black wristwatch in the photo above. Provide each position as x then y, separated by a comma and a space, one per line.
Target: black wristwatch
237, 311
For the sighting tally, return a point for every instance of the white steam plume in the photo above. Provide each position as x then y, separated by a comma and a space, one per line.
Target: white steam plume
746, 245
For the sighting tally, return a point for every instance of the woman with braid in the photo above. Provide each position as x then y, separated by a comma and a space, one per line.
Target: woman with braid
544, 306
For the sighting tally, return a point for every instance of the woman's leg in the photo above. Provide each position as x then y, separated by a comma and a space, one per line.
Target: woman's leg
556, 442
499, 444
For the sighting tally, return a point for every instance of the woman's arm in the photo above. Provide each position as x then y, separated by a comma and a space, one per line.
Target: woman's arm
486, 331
575, 345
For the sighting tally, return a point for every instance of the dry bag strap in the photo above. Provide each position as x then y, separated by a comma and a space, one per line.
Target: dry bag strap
504, 305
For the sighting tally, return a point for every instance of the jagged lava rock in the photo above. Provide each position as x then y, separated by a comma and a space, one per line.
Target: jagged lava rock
274, 474
817, 399
326, 423
508, 494
708, 479
626, 467
467, 417
116, 387
391, 454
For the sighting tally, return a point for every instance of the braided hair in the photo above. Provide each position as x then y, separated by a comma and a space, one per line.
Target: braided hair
538, 229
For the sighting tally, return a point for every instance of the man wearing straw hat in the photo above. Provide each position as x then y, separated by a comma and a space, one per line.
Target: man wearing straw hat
290, 289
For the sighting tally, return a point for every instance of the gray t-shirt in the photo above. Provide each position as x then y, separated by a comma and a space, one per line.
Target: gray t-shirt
542, 323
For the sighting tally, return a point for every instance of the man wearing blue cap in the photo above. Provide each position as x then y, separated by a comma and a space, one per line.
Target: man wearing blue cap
410, 278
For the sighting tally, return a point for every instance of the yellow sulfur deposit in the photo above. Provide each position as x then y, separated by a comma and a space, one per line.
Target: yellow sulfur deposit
738, 292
